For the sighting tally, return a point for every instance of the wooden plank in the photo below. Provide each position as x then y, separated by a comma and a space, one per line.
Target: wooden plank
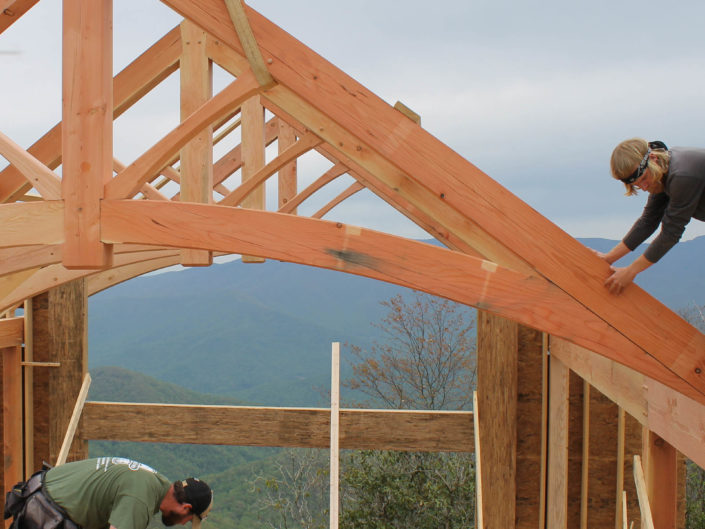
620, 504
642, 493
236, 10
250, 185
466, 279
584, 485
28, 381
11, 332
347, 193
287, 179
557, 494
662, 481
334, 467
37, 174
11, 12
86, 128
413, 116
41, 398
73, 422
31, 223
497, 361
196, 166
253, 158
544, 431
479, 503
98, 282
481, 201
129, 181
431, 431
327, 177
13, 458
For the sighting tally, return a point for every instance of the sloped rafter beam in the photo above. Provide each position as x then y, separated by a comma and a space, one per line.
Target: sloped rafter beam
129, 181
462, 278
236, 10
147, 190
379, 132
43, 179
12, 10
307, 142
137, 79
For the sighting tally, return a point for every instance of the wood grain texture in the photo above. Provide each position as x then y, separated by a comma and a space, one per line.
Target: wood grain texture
287, 180
557, 479
37, 174
31, 223
11, 331
383, 131
12, 11
13, 455
526, 299
288, 427
661, 476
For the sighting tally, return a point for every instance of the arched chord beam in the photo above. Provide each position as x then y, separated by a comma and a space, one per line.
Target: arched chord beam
350, 191
441, 272
136, 80
404, 157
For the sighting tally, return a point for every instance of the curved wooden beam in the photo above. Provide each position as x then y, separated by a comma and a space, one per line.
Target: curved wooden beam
350, 191
331, 174
469, 280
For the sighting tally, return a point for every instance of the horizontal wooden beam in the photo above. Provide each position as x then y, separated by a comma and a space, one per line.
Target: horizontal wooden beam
31, 223
453, 275
11, 332
424, 431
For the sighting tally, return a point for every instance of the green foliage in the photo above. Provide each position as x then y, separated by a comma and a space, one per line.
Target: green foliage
695, 497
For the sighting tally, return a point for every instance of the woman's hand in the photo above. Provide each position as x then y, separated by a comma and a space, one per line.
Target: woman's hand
620, 278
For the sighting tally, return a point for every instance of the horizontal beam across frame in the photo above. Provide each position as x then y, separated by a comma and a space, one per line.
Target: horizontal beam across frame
453, 275
423, 431
387, 134
11, 332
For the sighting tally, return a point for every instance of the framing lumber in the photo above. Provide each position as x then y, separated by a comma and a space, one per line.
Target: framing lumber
13, 459
334, 435
642, 494
497, 383
525, 299
620, 510
196, 157
585, 463
557, 489
236, 10
86, 128
136, 80
431, 431
11, 11
413, 116
672, 416
73, 423
28, 380
479, 504
128, 182
347, 193
287, 180
463, 188
31, 223
11, 331
42, 178
331, 174
253, 159
661, 476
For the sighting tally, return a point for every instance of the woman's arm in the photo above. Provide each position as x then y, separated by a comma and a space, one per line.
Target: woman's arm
621, 277
616, 253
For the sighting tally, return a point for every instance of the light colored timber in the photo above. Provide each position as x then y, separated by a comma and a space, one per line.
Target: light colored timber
671, 415
334, 467
86, 128
644, 506
431, 431
481, 201
463, 278
42, 178
28, 388
11, 11
413, 116
287, 181
17, 287
196, 158
73, 423
236, 10
147, 190
303, 145
544, 430
40, 364
347, 193
557, 488
621, 433
479, 504
137, 79
129, 181
253, 158
98, 282
11, 331
330, 175
585, 466
661, 476
13, 457
31, 223
624, 510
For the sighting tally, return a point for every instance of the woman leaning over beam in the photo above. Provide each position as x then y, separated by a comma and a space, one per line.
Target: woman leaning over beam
675, 181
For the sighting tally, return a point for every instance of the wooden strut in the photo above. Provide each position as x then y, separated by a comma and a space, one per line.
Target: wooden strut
73, 423
644, 506
334, 435
478, 462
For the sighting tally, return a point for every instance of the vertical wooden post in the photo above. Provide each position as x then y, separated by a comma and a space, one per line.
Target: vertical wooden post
661, 475
41, 401
584, 485
28, 374
620, 503
197, 155
557, 494
497, 351
287, 174
86, 128
479, 520
253, 156
12, 415
334, 434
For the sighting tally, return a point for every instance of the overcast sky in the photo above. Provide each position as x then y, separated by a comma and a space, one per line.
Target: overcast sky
534, 94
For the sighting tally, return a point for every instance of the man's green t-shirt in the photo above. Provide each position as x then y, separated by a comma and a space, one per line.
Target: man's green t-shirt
97, 493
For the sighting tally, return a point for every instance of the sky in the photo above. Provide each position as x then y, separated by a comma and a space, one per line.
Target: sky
535, 94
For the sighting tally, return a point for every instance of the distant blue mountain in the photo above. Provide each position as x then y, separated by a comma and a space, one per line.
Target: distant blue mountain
262, 332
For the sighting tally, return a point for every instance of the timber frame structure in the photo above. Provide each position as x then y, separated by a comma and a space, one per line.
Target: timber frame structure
557, 353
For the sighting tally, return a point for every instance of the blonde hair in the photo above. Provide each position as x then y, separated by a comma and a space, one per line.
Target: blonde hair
628, 155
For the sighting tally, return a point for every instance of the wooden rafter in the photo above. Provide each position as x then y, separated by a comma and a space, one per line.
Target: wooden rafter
12, 10
331, 174
347, 193
37, 174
